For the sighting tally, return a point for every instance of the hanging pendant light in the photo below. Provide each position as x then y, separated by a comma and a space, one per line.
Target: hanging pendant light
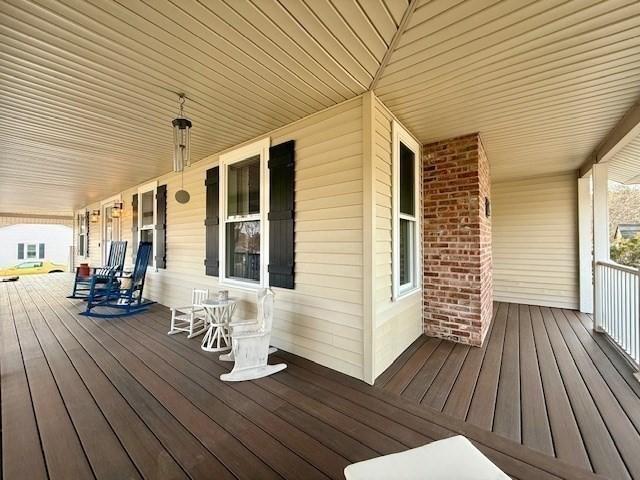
181, 148
181, 139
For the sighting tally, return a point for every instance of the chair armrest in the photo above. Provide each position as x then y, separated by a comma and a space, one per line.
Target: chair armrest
252, 334
242, 330
242, 323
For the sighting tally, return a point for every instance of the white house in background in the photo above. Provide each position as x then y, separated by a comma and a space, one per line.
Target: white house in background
22, 242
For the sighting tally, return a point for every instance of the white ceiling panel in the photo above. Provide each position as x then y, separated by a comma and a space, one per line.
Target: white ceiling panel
89, 88
542, 81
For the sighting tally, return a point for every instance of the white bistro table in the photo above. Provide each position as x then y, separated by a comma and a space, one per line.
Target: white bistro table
219, 314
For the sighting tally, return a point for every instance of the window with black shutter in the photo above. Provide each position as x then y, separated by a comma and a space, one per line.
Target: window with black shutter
134, 227
212, 222
161, 227
86, 233
282, 215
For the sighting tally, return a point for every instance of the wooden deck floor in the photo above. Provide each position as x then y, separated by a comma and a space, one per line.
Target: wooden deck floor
119, 399
543, 379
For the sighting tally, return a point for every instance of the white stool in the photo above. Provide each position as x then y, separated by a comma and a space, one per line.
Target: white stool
454, 458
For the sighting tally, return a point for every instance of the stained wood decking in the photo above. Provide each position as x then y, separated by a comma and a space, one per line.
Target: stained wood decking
119, 399
543, 379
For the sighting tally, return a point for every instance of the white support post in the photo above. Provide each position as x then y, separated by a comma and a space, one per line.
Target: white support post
585, 239
600, 182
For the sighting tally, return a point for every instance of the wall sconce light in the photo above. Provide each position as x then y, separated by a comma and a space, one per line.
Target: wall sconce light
95, 216
116, 211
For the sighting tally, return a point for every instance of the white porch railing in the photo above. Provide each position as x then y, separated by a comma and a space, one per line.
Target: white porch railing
618, 307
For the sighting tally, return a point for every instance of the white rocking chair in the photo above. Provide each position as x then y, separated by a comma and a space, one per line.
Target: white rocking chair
190, 319
250, 344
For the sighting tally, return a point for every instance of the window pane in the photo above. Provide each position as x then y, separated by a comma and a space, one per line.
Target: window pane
31, 251
244, 187
407, 239
81, 245
243, 250
407, 180
147, 209
147, 236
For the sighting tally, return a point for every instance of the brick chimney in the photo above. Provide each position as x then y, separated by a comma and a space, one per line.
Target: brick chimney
457, 286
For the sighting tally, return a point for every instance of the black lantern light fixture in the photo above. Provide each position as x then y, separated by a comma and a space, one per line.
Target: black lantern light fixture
95, 216
181, 139
116, 210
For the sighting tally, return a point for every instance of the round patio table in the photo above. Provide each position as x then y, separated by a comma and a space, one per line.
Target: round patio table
218, 315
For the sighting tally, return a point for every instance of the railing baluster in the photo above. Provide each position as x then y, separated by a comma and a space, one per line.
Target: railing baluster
618, 306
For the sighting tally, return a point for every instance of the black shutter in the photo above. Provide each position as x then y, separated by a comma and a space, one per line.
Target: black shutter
21, 251
41, 251
212, 222
86, 231
161, 227
281, 215
134, 228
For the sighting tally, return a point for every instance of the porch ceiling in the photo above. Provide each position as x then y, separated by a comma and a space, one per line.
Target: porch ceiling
624, 167
543, 82
89, 89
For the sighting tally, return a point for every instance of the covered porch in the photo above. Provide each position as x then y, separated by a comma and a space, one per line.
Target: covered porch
87, 398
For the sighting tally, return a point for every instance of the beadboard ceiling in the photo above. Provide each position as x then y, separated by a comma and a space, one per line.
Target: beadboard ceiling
89, 87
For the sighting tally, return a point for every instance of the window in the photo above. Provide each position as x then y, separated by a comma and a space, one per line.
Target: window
147, 216
82, 234
242, 198
31, 250
406, 225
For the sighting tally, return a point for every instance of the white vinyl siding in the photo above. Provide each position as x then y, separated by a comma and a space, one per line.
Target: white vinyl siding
322, 318
396, 324
535, 241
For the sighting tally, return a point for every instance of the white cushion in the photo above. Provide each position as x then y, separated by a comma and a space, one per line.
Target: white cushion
454, 458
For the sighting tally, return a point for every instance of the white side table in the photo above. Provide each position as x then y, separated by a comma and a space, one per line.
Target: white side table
219, 316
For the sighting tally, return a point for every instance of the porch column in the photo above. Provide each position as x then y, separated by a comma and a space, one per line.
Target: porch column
600, 179
585, 239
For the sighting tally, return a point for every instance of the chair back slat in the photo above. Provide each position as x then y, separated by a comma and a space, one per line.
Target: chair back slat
198, 296
117, 252
142, 261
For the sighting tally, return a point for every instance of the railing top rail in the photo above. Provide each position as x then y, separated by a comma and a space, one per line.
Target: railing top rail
617, 266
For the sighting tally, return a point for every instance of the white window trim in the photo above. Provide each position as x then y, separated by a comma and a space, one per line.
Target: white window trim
104, 204
399, 134
261, 147
83, 224
149, 187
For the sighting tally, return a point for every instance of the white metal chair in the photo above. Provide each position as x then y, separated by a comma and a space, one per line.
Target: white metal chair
250, 344
190, 319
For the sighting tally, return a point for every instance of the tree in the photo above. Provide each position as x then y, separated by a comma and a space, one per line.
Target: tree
626, 252
624, 205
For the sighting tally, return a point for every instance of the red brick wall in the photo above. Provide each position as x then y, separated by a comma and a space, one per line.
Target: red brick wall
457, 288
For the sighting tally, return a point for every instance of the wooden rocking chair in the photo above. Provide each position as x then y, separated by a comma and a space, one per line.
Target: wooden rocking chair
250, 344
123, 294
188, 319
114, 266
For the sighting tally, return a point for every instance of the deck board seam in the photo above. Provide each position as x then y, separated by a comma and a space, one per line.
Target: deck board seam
15, 329
88, 389
240, 393
73, 317
109, 379
57, 384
